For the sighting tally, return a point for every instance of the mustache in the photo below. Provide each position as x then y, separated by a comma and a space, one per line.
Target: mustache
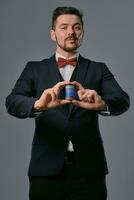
71, 37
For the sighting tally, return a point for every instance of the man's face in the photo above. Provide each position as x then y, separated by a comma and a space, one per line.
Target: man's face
68, 32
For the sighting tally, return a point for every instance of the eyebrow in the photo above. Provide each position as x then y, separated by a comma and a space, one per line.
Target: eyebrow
65, 24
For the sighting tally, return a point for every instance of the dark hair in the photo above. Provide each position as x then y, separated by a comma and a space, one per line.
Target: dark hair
63, 11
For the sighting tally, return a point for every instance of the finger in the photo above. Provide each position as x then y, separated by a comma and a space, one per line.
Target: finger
85, 105
86, 96
78, 85
82, 104
86, 93
53, 95
79, 103
81, 93
89, 98
76, 103
97, 98
63, 101
59, 86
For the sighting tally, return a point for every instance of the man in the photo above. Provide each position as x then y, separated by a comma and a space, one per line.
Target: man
67, 159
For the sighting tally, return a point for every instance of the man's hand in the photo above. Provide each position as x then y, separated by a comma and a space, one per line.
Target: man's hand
49, 98
88, 99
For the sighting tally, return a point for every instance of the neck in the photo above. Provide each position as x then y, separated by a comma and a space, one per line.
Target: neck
65, 53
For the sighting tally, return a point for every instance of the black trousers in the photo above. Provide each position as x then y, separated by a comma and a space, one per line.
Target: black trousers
69, 185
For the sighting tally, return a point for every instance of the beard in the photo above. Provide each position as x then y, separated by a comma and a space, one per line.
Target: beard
76, 43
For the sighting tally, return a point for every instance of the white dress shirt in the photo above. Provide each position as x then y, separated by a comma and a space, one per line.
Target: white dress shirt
66, 73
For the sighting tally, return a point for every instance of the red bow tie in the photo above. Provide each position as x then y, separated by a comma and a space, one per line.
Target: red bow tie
63, 62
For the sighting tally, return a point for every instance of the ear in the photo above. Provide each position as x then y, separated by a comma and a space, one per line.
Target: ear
52, 34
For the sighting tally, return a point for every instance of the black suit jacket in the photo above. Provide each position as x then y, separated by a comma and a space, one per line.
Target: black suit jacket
55, 127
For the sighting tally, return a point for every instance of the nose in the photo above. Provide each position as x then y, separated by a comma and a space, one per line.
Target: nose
70, 30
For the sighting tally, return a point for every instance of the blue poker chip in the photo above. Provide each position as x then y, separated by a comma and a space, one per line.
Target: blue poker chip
69, 92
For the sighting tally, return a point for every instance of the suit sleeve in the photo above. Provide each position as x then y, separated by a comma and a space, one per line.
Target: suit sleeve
116, 99
22, 98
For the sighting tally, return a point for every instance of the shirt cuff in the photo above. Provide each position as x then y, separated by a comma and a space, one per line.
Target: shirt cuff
105, 113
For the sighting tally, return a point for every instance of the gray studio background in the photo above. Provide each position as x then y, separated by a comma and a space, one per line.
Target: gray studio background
24, 36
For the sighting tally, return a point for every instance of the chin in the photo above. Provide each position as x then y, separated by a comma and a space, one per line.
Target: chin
70, 49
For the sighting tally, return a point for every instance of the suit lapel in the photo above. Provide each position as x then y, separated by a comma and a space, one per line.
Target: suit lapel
54, 78
82, 68
53, 71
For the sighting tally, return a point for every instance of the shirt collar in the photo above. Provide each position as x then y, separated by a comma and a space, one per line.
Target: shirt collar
57, 55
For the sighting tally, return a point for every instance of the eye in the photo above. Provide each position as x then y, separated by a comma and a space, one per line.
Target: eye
77, 28
63, 28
